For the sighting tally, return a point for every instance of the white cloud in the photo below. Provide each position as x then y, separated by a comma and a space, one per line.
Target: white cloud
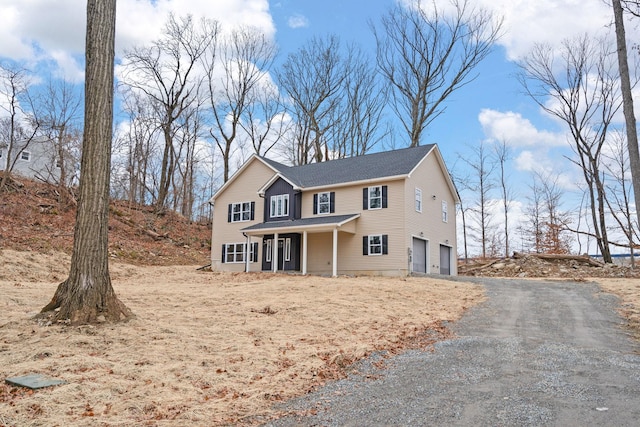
43, 29
298, 21
516, 130
527, 22
526, 161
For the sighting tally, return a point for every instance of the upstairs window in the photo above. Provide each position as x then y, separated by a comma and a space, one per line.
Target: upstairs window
374, 197
25, 155
324, 203
445, 214
418, 200
238, 212
279, 205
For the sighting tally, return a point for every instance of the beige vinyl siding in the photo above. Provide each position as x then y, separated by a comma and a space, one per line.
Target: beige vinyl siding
243, 188
430, 178
389, 221
320, 253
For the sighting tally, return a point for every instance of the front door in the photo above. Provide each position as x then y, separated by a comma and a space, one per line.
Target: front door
282, 253
287, 249
445, 259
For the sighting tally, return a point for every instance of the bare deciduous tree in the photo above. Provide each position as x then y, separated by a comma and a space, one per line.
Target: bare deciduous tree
426, 54
166, 73
627, 99
265, 121
20, 128
59, 106
619, 189
582, 92
481, 183
87, 295
313, 78
234, 79
502, 156
358, 119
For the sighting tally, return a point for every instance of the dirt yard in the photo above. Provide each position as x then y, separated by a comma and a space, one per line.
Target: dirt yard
205, 348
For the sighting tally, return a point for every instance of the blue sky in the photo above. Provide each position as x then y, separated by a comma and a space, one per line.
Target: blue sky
49, 35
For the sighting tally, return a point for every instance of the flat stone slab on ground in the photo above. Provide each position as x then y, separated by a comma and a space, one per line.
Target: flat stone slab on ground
33, 381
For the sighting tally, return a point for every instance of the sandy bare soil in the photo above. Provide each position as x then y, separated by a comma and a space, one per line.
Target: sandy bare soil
628, 290
206, 348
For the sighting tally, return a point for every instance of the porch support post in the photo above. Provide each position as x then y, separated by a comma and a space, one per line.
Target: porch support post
335, 252
274, 257
304, 252
247, 254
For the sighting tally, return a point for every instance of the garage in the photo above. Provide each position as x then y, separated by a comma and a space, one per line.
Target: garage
419, 255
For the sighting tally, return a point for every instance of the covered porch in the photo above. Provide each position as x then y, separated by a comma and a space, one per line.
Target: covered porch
276, 252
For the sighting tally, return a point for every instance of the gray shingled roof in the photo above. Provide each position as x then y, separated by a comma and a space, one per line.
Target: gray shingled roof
303, 222
359, 168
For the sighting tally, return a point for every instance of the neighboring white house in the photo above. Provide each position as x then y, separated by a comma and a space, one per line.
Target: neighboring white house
37, 159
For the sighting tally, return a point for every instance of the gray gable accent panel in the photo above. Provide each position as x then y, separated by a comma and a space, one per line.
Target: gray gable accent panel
351, 169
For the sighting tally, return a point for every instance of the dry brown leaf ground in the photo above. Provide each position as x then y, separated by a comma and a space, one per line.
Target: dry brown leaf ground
628, 290
206, 348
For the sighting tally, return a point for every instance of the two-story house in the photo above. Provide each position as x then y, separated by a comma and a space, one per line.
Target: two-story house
389, 213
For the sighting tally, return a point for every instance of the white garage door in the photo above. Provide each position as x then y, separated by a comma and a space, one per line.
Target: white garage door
419, 255
445, 259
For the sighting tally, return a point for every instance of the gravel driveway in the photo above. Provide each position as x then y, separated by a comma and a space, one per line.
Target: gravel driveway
536, 353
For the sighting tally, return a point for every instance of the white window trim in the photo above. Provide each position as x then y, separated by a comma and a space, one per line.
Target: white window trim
418, 200
377, 197
287, 249
371, 237
235, 253
240, 211
445, 213
243, 253
327, 203
273, 212
269, 250
26, 154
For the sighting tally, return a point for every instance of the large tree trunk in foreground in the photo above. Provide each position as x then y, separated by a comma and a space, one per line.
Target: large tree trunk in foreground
87, 295
627, 102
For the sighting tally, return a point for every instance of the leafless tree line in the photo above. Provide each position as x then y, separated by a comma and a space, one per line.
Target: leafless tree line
578, 84
201, 98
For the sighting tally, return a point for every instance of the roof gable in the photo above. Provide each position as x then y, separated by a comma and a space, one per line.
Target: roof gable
375, 166
353, 169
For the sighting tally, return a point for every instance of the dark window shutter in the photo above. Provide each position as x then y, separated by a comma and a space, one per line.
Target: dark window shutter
254, 257
365, 245
253, 210
224, 252
315, 204
385, 244
365, 198
384, 196
229, 212
332, 202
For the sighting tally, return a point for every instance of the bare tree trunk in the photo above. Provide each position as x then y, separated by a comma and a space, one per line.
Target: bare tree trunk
87, 295
627, 104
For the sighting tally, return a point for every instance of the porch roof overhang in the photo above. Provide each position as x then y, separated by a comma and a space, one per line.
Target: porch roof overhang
317, 224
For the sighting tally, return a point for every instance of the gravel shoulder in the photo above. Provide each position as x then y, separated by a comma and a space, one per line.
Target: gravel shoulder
535, 353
